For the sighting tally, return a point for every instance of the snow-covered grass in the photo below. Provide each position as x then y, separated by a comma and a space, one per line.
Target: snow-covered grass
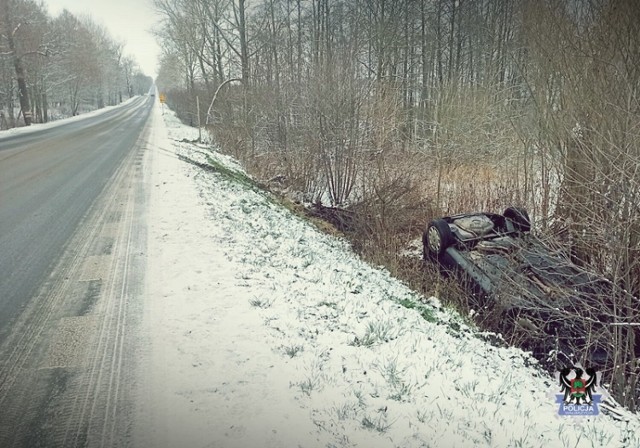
265, 332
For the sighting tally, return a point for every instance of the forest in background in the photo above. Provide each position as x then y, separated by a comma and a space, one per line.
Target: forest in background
393, 112
53, 67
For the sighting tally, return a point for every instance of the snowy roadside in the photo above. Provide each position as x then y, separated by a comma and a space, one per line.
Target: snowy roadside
61, 121
264, 332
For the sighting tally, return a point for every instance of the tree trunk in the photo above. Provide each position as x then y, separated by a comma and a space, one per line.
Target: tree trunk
299, 44
244, 59
424, 61
37, 105
451, 36
23, 93
45, 107
244, 51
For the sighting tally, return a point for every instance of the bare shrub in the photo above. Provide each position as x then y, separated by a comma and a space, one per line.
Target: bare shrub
395, 208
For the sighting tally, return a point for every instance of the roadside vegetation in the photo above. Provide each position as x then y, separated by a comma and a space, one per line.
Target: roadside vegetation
381, 115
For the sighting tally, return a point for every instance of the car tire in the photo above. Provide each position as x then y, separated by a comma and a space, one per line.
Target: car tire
519, 217
437, 238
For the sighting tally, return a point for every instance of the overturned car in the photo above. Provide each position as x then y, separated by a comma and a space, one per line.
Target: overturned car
524, 287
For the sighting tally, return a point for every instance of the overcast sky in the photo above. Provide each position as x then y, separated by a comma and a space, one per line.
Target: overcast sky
129, 21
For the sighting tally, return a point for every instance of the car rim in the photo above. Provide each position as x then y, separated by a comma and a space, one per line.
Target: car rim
434, 240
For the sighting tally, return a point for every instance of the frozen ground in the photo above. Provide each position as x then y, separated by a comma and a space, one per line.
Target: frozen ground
264, 332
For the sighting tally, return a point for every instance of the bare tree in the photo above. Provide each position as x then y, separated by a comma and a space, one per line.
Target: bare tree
14, 21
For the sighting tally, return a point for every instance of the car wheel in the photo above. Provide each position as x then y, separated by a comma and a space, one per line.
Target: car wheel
519, 217
437, 238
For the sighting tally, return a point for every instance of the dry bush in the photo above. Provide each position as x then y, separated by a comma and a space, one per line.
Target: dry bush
476, 156
392, 209
229, 127
478, 187
181, 103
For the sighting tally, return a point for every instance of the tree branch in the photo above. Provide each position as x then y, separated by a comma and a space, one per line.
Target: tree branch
215, 95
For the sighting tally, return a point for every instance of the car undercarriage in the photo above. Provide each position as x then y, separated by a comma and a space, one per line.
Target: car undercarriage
525, 287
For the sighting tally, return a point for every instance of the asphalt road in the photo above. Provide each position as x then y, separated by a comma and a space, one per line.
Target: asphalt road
72, 243
48, 181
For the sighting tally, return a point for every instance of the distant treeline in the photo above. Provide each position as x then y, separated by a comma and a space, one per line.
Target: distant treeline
59, 65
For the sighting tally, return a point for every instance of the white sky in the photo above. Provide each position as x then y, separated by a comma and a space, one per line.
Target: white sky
129, 21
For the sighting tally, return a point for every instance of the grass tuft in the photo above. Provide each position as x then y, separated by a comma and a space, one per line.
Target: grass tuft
378, 424
293, 350
260, 303
376, 332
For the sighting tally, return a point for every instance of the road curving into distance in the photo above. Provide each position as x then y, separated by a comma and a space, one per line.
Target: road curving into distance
72, 203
